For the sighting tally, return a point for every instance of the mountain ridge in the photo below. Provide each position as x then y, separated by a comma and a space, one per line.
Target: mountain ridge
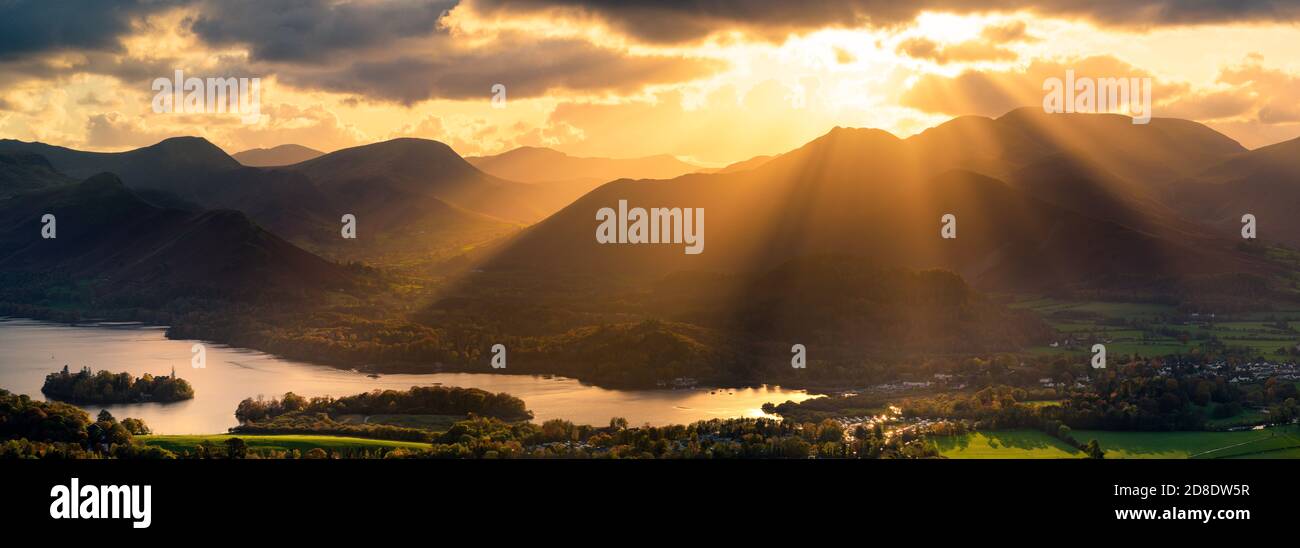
276, 156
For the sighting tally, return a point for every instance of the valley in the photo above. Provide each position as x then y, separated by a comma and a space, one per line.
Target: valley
834, 246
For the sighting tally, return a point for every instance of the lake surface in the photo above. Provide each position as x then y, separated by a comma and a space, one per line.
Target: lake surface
29, 350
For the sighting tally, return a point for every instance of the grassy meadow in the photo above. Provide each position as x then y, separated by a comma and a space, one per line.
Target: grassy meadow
285, 442
1166, 330
1278, 442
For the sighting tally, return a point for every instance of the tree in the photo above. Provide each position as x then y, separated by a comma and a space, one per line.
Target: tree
236, 448
136, 427
293, 402
1093, 450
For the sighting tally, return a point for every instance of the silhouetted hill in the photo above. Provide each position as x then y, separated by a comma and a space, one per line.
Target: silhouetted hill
1146, 155
539, 164
743, 165
424, 168
23, 172
1264, 182
170, 165
121, 245
281, 155
865, 192
397, 223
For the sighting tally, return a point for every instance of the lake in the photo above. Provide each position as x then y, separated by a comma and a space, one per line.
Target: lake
29, 350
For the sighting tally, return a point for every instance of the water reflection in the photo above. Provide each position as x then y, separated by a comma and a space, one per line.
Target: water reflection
29, 350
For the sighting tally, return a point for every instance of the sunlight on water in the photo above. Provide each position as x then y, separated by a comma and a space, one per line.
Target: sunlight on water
29, 350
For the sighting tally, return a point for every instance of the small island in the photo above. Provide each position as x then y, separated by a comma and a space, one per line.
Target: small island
85, 387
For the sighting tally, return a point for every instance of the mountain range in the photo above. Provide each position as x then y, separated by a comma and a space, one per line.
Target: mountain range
840, 241
1041, 202
541, 165
117, 244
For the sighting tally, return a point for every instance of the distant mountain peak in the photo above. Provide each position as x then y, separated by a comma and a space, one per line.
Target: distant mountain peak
533, 164
188, 145
279, 155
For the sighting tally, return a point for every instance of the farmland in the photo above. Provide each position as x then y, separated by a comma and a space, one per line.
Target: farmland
1157, 330
1279, 442
260, 443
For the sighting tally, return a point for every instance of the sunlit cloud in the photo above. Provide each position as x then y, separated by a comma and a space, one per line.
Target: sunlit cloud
714, 83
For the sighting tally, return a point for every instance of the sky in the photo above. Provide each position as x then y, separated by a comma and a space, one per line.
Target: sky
709, 81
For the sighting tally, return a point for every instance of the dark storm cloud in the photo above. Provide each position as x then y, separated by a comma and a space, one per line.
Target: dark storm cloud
313, 30
382, 50
356, 47
39, 26
683, 20
527, 69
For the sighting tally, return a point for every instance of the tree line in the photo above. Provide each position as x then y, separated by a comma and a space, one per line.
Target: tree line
110, 388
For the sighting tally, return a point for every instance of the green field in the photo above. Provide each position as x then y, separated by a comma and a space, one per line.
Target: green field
1279, 442
1011, 444
1108, 321
285, 442
432, 423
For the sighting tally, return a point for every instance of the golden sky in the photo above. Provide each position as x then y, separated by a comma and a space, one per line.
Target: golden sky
709, 82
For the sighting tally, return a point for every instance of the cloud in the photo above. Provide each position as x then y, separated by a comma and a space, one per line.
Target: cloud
719, 128
398, 51
993, 93
114, 130
1277, 92
1012, 31
1211, 105
315, 32
964, 52
41, 26
1249, 94
311, 125
677, 21
527, 67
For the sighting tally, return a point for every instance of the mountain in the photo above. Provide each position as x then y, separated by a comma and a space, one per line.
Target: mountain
743, 165
1146, 155
23, 172
281, 155
867, 193
539, 165
1264, 182
126, 247
419, 168
396, 223
171, 165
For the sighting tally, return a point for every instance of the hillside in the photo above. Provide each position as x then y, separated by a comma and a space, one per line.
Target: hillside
1264, 182
23, 172
424, 168
281, 155
743, 165
868, 193
170, 165
398, 223
121, 246
539, 165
